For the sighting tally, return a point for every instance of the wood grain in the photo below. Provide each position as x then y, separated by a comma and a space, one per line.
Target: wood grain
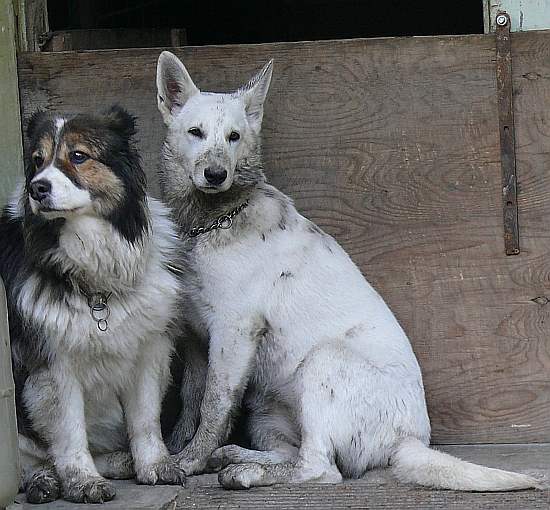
392, 146
110, 38
32, 24
11, 146
376, 490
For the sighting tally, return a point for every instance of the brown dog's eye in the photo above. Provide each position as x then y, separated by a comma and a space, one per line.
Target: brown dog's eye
196, 132
38, 160
77, 157
234, 136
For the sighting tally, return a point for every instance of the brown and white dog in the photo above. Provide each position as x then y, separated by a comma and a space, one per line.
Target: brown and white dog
86, 257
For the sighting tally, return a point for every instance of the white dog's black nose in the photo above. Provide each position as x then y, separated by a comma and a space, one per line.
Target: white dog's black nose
215, 175
39, 190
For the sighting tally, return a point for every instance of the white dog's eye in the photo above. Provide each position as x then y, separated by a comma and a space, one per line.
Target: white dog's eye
233, 136
196, 132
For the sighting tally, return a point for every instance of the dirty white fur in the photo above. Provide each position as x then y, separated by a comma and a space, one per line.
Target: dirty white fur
102, 391
333, 385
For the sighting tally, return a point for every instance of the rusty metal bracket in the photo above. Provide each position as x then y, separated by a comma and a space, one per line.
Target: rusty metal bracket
507, 133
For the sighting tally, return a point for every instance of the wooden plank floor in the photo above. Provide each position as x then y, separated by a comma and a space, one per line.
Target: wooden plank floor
376, 490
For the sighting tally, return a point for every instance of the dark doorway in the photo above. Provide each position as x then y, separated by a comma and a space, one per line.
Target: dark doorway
256, 21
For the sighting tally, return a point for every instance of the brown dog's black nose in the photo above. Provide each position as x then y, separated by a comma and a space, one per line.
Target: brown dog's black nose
215, 175
39, 190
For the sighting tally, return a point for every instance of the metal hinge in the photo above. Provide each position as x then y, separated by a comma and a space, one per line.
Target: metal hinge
507, 133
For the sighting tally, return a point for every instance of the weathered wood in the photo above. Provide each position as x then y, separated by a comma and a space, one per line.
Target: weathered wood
392, 146
98, 39
11, 151
9, 460
33, 24
377, 490
129, 497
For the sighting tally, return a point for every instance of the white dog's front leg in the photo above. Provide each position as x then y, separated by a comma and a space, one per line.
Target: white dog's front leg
142, 404
56, 404
231, 355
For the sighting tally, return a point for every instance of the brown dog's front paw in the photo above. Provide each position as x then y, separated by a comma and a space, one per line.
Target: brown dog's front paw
165, 472
89, 490
42, 487
190, 464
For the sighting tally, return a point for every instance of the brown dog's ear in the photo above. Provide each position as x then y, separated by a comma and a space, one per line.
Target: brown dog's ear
36, 122
119, 120
174, 85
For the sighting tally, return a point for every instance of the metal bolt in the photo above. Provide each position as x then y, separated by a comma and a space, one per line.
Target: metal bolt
502, 20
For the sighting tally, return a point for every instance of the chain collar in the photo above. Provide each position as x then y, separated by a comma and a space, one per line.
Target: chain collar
99, 308
224, 221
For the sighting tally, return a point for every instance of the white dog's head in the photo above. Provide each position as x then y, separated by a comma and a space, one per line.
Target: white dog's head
211, 136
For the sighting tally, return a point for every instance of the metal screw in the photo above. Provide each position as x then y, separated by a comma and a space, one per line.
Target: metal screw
502, 19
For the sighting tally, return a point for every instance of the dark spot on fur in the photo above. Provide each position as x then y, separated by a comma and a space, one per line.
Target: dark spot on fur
286, 274
354, 331
263, 331
314, 229
263, 236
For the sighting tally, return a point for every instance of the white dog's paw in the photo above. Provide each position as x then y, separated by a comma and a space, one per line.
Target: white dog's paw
165, 472
241, 476
224, 456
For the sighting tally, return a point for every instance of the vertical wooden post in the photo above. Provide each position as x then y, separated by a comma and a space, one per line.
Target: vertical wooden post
9, 460
11, 146
32, 23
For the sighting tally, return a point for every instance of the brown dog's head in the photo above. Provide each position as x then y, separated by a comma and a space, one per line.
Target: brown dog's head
86, 165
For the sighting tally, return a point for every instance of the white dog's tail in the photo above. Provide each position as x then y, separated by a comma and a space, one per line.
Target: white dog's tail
414, 462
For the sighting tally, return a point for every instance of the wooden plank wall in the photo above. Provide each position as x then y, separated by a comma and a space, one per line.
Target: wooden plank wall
391, 145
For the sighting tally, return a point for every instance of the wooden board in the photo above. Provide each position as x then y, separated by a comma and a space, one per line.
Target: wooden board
11, 150
109, 38
32, 23
391, 145
377, 490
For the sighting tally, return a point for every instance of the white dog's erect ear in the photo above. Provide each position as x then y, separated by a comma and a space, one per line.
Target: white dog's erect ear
174, 85
254, 93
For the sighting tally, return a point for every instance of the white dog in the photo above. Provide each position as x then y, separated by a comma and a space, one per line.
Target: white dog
331, 380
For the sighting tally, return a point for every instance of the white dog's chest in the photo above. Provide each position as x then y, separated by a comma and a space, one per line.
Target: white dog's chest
242, 278
308, 291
